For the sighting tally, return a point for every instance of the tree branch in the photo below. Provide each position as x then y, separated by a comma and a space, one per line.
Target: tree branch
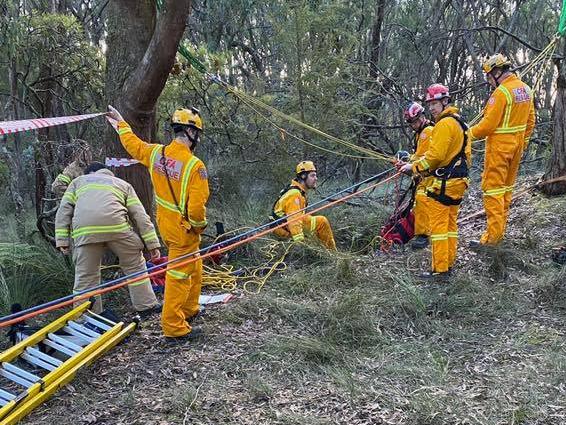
144, 86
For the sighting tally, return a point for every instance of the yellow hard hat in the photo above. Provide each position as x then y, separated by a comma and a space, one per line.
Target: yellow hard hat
190, 117
305, 167
495, 61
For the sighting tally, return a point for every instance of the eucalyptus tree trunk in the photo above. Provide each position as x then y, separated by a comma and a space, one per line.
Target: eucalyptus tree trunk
556, 165
141, 51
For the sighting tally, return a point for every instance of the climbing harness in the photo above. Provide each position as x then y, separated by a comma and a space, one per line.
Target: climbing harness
276, 215
36, 367
457, 168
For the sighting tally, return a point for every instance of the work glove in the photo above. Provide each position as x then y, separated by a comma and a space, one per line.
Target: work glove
114, 114
403, 156
404, 167
154, 254
114, 117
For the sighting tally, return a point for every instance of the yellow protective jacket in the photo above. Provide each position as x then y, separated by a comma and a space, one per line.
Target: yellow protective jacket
188, 178
445, 144
422, 141
292, 200
508, 112
99, 207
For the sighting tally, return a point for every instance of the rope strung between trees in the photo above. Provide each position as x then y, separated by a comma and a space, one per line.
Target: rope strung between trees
258, 104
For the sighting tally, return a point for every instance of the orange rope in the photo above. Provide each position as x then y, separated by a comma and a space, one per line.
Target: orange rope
192, 259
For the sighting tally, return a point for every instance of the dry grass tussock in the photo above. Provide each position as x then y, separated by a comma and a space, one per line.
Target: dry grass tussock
357, 340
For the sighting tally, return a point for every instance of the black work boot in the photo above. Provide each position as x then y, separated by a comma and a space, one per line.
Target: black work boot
195, 333
148, 313
474, 244
201, 313
419, 242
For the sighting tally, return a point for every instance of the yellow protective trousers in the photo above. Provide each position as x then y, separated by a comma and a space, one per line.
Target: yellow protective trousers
444, 227
182, 286
501, 165
318, 224
420, 210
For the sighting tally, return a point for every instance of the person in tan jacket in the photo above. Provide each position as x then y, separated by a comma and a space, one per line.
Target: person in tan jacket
81, 158
99, 211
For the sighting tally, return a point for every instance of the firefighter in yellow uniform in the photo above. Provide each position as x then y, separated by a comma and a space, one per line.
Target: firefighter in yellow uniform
507, 124
446, 161
422, 127
293, 199
180, 182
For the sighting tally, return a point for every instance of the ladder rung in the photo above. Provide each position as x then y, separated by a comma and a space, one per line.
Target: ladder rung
59, 347
38, 362
99, 325
21, 372
6, 395
85, 338
15, 378
100, 317
75, 340
65, 342
83, 330
45, 357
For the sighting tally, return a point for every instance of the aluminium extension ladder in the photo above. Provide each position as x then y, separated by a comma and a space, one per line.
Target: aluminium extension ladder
33, 369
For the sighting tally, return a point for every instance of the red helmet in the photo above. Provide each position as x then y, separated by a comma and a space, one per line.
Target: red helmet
412, 111
437, 92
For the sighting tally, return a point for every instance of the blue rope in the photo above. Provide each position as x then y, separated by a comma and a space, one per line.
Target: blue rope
222, 244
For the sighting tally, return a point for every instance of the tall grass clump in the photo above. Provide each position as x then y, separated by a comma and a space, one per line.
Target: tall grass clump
32, 274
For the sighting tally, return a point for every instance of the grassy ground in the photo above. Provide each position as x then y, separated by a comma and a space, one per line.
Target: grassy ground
355, 339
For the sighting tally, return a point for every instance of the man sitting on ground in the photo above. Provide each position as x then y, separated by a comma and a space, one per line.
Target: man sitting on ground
293, 199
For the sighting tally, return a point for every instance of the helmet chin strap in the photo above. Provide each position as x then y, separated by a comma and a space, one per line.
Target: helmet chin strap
496, 79
193, 140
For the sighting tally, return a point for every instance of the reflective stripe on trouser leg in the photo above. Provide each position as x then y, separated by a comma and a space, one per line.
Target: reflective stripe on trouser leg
452, 235
512, 177
192, 307
495, 215
501, 164
129, 252
87, 260
444, 228
324, 232
422, 225
439, 235
180, 298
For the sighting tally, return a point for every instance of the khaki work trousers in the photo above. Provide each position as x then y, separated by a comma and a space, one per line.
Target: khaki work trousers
128, 249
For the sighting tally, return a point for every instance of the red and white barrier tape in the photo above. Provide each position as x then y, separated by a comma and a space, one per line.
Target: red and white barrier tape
9, 127
119, 162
